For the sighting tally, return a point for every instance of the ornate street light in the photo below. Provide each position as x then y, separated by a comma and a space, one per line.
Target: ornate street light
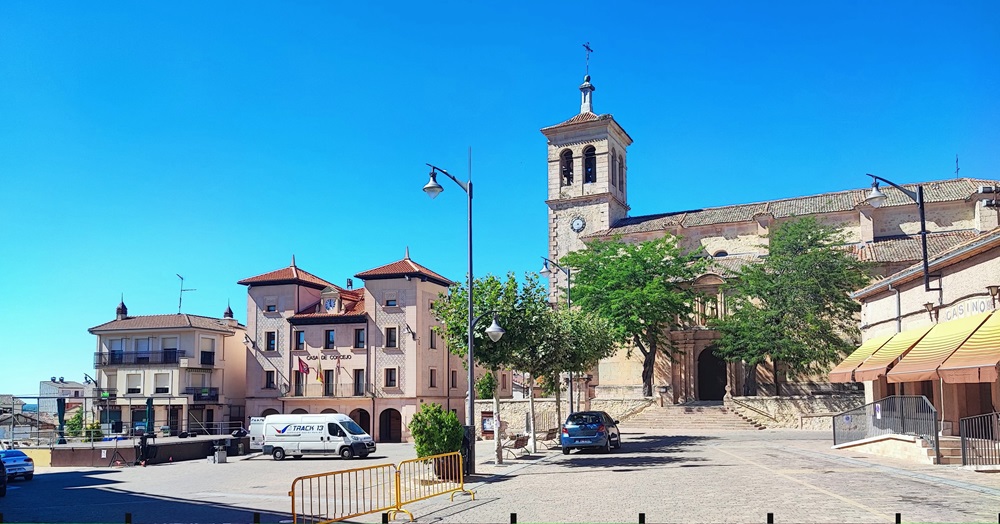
876, 198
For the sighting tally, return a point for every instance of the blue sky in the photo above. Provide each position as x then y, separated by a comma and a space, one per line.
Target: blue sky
216, 140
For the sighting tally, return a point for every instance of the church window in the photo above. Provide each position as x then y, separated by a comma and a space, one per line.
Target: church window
614, 167
566, 167
621, 172
589, 165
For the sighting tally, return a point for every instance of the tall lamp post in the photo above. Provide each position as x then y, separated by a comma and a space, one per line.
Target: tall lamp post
876, 198
547, 273
433, 189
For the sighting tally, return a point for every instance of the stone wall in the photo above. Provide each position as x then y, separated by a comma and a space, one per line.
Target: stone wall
514, 412
812, 412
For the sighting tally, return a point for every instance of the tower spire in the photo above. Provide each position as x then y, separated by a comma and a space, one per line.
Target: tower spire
586, 88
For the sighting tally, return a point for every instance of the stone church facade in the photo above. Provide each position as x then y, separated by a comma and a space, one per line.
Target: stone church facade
588, 199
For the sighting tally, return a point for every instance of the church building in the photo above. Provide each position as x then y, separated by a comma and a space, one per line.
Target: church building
588, 181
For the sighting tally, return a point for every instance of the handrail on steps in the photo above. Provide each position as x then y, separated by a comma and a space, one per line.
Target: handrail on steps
751, 408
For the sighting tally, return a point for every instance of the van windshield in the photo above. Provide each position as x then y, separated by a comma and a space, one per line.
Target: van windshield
353, 428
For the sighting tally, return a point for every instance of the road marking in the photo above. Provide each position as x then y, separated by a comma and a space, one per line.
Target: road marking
810, 486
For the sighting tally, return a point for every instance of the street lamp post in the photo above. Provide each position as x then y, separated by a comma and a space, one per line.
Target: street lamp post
433, 189
876, 198
547, 273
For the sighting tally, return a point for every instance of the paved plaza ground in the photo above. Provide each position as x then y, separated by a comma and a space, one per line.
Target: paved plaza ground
669, 476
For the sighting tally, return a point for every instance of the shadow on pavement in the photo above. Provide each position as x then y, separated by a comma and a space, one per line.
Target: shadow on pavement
83, 496
639, 452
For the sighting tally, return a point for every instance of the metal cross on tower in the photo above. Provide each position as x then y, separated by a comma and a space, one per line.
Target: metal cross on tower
588, 51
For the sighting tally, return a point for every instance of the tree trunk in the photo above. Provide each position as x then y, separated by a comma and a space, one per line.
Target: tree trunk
777, 379
749, 380
497, 441
558, 383
648, 365
531, 414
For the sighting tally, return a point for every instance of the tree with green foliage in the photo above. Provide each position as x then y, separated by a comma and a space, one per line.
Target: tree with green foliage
74, 426
640, 289
521, 309
793, 307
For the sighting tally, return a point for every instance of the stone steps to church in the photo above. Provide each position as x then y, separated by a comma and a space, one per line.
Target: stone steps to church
708, 416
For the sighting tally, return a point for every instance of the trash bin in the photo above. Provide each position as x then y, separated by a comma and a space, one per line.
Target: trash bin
220, 456
468, 441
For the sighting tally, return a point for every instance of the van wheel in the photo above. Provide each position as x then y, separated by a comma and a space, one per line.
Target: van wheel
346, 453
278, 454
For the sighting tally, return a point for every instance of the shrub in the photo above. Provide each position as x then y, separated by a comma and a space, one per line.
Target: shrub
486, 385
435, 431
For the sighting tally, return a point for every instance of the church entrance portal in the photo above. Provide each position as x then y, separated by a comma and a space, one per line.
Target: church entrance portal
711, 376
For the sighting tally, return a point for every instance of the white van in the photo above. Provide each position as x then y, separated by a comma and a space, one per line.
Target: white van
324, 434
256, 433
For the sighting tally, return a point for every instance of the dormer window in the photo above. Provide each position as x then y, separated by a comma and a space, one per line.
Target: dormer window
589, 165
566, 167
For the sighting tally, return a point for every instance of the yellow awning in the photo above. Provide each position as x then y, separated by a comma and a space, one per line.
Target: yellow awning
883, 359
977, 359
923, 360
844, 372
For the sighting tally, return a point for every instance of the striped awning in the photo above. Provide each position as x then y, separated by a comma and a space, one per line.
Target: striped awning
977, 359
844, 372
923, 360
883, 359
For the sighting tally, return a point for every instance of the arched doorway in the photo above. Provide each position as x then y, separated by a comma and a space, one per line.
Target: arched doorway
329, 410
711, 376
299, 411
390, 426
363, 419
269, 412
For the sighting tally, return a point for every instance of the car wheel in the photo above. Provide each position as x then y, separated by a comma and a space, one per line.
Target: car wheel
618, 443
278, 454
607, 445
29, 476
565, 451
346, 452
3, 490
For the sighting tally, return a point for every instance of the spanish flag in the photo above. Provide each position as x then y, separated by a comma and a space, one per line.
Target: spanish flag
319, 372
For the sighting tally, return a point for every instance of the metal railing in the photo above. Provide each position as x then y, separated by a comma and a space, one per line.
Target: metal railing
137, 358
895, 415
980, 440
203, 394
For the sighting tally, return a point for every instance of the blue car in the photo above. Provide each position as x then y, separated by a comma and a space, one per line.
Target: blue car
590, 429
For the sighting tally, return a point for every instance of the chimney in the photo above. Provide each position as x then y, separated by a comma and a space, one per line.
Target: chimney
350, 283
121, 313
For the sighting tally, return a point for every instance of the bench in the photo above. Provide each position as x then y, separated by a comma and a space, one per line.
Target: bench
519, 442
549, 439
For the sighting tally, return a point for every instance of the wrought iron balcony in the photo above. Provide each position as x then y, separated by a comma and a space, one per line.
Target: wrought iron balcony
205, 394
137, 358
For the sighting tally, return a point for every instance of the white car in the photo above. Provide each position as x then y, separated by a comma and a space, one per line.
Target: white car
17, 464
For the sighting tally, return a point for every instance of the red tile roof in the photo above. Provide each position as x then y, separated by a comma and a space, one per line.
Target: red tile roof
908, 248
147, 322
288, 275
402, 268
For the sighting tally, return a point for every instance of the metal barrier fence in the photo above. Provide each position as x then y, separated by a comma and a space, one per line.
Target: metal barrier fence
898, 414
980, 440
340, 495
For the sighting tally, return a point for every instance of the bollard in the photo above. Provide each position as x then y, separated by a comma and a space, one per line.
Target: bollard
513, 518
770, 518
128, 518
1, 518
256, 517
899, 518
642, 518
385, 517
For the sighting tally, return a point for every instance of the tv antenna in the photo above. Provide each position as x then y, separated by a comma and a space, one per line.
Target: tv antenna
956, 166
180, 299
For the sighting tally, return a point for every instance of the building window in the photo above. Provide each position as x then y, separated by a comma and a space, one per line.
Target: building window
161, 382
433, 378
589, 165
566, 167
328, 382
613, 167
269, 380
390, 337
503, 381
359, 338
359, 382
300, 340
390, 377
433, 339
133, 384
271, 308
454, 379
208, 358
621, 172
169, 346
299, 381
142, 345
270, 341
330, 339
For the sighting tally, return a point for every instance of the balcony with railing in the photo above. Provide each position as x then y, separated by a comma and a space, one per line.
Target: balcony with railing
203, 394
137, 358
333, 390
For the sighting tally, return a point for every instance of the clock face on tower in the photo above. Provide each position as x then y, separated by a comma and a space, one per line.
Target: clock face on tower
578, 224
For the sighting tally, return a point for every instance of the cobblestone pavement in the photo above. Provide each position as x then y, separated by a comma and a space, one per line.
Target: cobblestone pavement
670, 477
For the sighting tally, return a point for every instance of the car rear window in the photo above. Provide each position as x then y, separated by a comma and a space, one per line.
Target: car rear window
585, 418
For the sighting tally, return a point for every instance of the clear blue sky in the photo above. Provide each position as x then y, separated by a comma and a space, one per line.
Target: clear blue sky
216, 140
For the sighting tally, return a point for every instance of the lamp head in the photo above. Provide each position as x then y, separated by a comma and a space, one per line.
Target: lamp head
545, 272
994, 290
433, 189
929, 306
495, 331
876, 198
